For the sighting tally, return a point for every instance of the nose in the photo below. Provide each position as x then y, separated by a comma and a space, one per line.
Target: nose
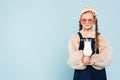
87, 21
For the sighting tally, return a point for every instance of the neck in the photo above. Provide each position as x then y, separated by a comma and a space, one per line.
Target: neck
88, 33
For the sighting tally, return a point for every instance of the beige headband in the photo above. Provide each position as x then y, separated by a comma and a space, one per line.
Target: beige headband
89, 8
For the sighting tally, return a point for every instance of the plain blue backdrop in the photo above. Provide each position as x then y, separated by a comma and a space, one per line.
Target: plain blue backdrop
34, 37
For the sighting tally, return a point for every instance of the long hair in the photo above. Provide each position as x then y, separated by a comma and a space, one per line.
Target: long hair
96, 46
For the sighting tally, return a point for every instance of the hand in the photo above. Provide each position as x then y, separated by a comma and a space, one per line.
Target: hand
92, 62
86, 60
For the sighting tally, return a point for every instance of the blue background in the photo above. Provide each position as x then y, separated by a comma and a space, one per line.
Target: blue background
34, 37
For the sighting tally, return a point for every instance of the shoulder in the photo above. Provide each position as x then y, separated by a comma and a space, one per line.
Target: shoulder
101, 37
75, 36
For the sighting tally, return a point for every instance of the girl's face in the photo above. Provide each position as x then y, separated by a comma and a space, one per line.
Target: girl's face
87, 20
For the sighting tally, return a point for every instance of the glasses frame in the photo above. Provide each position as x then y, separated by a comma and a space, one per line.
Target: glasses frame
90, 21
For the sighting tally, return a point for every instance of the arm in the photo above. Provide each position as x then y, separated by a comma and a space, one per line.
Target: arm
75, 55
103, 59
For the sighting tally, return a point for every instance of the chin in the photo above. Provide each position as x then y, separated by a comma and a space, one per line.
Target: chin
88, 28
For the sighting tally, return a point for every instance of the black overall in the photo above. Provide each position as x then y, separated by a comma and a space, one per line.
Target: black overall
89, 73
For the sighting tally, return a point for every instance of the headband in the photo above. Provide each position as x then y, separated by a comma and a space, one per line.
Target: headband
89, 8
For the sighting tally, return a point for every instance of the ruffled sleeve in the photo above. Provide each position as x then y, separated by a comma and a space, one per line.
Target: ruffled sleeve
104, 58
75, 55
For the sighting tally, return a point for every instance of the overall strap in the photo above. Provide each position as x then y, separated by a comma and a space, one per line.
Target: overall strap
80, 35
81, 47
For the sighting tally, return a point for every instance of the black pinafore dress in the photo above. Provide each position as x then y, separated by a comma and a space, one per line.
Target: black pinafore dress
89, 73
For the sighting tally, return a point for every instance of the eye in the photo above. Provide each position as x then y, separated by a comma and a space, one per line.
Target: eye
84, 20
90, 19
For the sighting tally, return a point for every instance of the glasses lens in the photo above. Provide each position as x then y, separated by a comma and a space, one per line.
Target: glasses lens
87, 20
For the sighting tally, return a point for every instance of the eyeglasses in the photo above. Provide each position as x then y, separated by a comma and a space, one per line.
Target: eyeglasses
90, 21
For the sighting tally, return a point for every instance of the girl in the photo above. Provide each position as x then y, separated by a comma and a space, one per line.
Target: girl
89, 62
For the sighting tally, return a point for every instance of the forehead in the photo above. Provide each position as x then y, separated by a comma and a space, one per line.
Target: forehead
87, 15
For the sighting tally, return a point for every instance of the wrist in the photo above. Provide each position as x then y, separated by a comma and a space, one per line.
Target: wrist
92, 62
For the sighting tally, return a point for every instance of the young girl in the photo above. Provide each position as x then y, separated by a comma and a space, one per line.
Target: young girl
89, 51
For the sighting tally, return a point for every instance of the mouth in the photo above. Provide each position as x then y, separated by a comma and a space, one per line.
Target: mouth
87, 25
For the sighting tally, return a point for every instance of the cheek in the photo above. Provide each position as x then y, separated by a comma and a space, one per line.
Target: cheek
91, 22
81, 23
